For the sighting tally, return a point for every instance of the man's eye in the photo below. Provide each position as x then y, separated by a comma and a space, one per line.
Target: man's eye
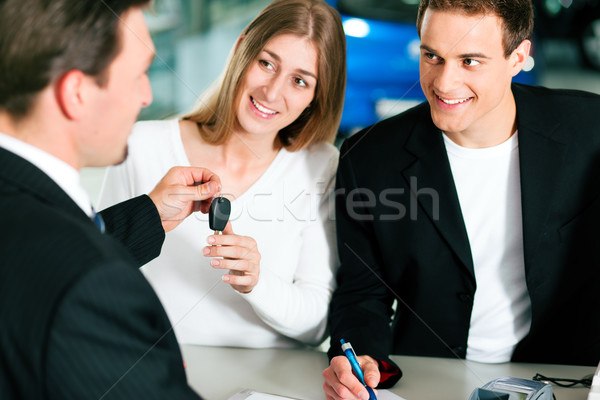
470, 62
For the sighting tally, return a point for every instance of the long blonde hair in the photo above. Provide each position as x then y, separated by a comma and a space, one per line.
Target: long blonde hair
311, 19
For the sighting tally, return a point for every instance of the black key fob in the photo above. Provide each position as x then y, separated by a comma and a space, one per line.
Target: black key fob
218, 214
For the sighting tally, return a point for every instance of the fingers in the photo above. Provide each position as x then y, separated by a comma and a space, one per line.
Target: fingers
192, 183
370, 370
232, 246
240, 266
195, 175
238, 254
191, 176
179, 186
233, 252
239, 281
234, 258
203, 205
231, 239
200, 181
200, 191
180, 192
341, 383
199, 185
242, 276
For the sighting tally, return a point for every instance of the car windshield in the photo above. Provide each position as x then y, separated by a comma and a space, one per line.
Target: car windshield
387, 10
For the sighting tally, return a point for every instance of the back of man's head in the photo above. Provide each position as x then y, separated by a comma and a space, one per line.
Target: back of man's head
41, 40
516, 15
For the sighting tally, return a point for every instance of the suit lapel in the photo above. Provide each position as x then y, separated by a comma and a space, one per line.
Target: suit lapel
21, 174
541, 158
430, 177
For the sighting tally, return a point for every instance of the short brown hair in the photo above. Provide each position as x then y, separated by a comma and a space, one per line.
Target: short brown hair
516, 15
311, 19
41, 40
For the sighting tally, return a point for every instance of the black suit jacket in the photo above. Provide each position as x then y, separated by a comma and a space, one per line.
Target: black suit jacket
77, 318
401, 235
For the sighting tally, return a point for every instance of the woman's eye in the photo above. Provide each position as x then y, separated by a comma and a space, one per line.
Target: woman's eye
300, 82
266, 64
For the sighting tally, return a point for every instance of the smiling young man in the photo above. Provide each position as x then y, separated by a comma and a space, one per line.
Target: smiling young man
485, 226
77, 318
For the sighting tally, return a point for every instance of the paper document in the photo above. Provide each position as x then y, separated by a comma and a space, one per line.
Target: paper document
253, 395
387, 395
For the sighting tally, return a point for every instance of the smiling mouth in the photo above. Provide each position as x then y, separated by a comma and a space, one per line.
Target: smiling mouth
262, 108
453, 102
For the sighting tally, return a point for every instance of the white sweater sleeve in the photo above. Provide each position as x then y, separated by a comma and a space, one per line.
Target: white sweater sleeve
299, 309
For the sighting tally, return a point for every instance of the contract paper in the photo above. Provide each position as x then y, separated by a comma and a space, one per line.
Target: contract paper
254, 395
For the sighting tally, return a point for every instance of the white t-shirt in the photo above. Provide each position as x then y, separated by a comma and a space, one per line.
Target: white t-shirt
489, 190
287, 211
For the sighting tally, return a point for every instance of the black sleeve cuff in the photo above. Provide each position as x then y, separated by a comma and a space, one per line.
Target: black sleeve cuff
137, 225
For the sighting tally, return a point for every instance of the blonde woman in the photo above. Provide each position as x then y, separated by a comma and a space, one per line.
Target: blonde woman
266, 129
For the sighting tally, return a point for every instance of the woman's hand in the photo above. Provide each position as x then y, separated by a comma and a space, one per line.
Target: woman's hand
240, 256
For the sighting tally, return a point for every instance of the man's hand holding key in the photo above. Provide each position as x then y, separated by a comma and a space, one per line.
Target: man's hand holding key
239, 253
182, 191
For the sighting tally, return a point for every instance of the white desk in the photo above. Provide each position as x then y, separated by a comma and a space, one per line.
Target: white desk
217, 373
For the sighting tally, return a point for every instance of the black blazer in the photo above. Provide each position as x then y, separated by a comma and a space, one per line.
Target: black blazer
77, 318
401, 234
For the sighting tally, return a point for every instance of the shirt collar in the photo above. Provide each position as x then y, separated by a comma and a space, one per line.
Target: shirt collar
64, 175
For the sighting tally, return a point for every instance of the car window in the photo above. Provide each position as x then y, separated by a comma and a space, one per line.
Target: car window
387, 10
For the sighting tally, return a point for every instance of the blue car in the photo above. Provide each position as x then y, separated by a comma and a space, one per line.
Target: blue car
383, 60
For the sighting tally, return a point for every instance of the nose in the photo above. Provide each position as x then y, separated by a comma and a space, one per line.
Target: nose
146, 92
274, 87
448, 76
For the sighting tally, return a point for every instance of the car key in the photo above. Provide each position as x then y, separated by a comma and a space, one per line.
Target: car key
218, 214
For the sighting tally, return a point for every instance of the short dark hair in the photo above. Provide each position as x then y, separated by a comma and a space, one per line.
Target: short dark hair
41, 40
516, 15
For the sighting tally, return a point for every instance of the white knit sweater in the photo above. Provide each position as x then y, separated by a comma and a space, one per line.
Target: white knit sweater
288, 211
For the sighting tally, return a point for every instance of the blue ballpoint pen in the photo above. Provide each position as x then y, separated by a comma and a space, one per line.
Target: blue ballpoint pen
351, 355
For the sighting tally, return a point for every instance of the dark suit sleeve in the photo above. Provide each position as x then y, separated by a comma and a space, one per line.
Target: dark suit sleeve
361, 307
111, 339
136, 224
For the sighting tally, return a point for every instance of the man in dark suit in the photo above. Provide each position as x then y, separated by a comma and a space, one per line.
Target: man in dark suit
77, 318
477, 212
